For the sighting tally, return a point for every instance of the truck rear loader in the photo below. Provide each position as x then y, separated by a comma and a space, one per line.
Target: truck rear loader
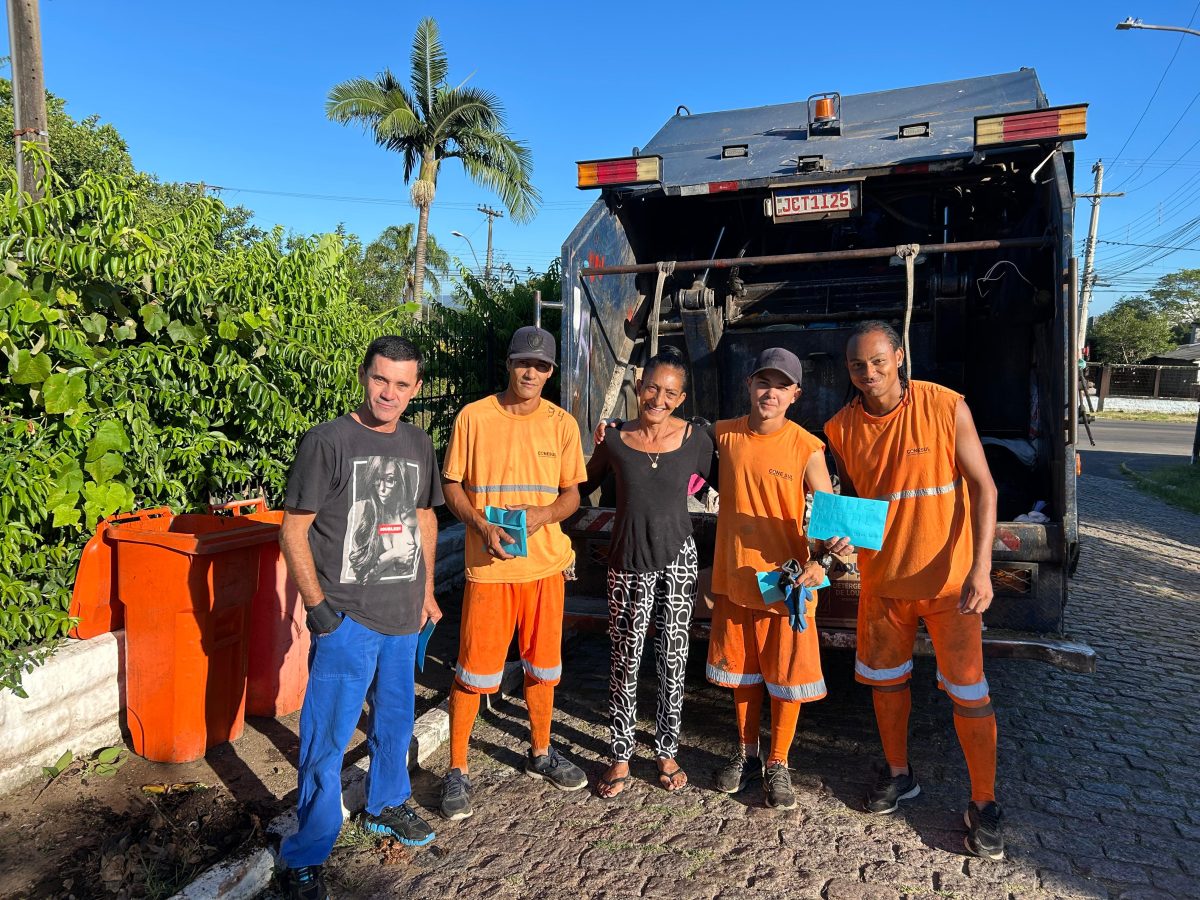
944, 209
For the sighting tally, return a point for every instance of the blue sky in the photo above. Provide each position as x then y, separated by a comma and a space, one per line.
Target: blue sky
233, 95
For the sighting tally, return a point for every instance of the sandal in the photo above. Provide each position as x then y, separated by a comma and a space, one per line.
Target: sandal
670, 780
603, 783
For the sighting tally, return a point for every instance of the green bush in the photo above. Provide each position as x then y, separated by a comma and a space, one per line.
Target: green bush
150, 362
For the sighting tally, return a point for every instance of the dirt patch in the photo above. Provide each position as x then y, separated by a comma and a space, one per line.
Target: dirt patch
92, 837
152, 849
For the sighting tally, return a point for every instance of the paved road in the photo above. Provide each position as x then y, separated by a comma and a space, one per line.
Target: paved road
1095, 772
1140, 445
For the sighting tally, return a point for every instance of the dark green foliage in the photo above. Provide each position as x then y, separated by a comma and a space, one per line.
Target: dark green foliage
150, 361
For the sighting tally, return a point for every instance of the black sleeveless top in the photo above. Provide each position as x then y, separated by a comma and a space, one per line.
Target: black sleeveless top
652, 517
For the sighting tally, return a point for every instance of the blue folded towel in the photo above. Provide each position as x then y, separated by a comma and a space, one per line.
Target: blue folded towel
513, 522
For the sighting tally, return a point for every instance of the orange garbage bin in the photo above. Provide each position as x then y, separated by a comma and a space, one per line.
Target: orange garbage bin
94, 600
279, 639
186, 583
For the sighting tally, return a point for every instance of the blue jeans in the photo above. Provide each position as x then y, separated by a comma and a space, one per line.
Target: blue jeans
348, 666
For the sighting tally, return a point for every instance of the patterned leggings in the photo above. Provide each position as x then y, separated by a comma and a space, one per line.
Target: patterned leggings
632, 597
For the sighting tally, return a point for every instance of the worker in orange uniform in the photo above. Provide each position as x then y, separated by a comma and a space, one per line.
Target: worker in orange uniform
914, 444
515, 450
766, 464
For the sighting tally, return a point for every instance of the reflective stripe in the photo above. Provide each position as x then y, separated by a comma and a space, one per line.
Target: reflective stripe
723, 677
976, 691
923, 492
543, 674
861, 668
500, 488
470, 679
797, 692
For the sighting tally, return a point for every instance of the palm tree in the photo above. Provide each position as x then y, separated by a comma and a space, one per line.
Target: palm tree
429, 122
387, 267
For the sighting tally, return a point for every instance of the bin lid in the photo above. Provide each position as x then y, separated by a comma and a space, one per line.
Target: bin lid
196, 534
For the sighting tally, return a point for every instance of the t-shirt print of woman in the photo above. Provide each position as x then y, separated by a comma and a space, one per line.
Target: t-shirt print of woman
383, 540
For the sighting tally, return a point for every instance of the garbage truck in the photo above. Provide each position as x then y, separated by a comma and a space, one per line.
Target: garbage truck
945, 209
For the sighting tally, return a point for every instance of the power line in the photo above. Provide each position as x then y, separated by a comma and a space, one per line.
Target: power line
1152, 246
385, 201
1162, 78
1182, 115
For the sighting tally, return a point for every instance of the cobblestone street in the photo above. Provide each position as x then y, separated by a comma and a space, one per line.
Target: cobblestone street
1094, 770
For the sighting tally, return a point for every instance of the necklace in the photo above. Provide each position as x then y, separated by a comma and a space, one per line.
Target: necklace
653, 458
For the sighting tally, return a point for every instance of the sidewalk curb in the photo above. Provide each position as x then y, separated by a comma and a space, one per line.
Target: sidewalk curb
247, 876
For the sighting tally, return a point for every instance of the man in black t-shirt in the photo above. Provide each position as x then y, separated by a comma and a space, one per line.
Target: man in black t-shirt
359, 536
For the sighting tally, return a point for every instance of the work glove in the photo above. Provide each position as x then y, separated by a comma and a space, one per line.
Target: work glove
795, 596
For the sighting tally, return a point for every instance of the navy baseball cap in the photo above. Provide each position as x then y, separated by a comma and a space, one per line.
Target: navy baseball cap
783, 361
531, 342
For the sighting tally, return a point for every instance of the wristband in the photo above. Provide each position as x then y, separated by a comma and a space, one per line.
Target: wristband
322, 618
825, 562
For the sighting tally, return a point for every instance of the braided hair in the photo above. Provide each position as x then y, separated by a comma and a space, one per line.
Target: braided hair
871, 326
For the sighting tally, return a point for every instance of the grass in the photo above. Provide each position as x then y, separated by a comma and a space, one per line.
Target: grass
1116, 415
1177, 485
354, 837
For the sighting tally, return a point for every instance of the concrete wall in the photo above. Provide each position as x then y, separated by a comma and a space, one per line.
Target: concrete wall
74, 704
75, 699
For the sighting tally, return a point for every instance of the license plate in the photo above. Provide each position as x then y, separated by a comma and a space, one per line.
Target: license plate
816, 201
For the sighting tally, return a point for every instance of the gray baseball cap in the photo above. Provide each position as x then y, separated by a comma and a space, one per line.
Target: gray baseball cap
784, 361
531, 342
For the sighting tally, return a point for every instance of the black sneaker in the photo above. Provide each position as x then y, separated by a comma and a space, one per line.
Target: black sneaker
738, 772
304, 883
889, 790
402, 823
985, 830
777, 785
456, 796
556, 769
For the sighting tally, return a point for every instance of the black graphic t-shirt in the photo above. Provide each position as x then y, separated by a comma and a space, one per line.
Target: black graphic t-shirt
366, 487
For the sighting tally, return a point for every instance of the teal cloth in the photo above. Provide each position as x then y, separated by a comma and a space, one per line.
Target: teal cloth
513, 522
423, 643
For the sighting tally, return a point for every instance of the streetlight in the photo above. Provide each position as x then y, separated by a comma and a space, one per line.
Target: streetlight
1131, 22
459, 234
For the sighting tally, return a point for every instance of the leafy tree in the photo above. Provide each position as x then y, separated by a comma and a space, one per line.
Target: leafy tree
87, 145
1177, 296
77, 146
429, 122
146, 364
1131, 331
384, 271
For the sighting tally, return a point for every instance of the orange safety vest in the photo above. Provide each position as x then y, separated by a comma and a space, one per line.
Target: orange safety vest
907, 457
761, 522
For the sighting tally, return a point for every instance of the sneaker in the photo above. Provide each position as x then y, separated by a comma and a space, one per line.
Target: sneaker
304, 883
777, 784
402, 823
456, 796
985, 830
555, 768
889, 790
738, 772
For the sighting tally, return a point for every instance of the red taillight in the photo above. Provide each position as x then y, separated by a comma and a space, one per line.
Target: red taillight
633, 170
1062, 123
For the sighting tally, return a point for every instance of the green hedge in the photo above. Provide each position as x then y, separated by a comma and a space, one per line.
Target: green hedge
149, 363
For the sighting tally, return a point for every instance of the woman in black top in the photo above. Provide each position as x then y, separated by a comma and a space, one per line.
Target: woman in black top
652, 560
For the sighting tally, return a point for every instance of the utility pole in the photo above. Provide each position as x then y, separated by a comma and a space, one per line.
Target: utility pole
29, 90
1089, 254
492, 214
